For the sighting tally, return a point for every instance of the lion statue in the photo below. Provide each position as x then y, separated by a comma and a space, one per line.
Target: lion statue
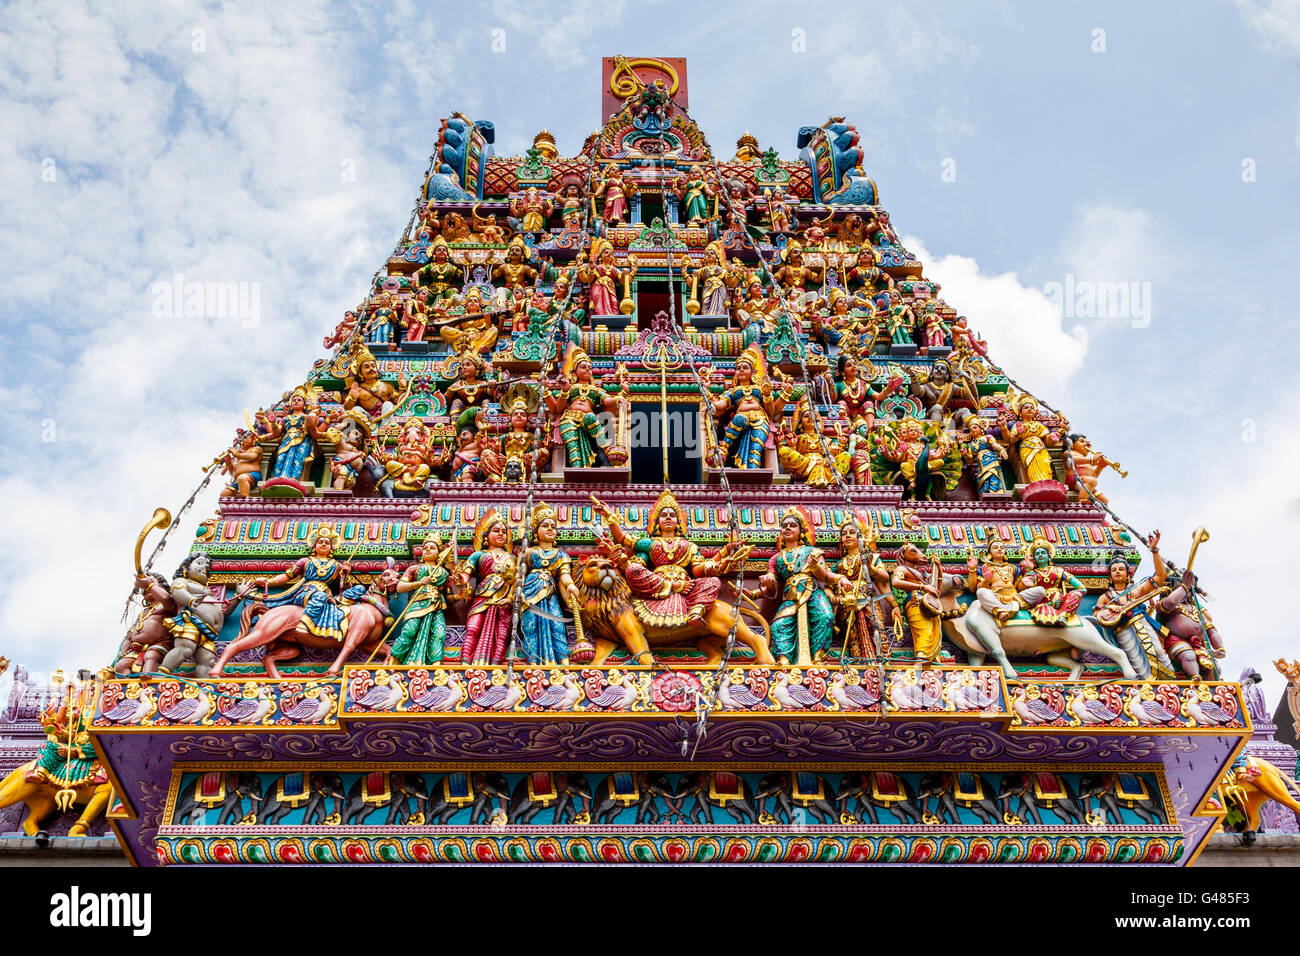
610, 619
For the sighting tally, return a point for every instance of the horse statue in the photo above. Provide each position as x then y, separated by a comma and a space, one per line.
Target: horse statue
277, 630
979, 634
607, 612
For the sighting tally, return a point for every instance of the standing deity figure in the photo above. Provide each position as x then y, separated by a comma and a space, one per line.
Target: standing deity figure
900, 320
515, 270
243, 463
1188, 631
149, 639
798, 575
572, 206
777, 207
364, 388
548, 588
532, 209
855, 395
603, 277
615, 189
921, 577
672, 584
314, 581
491, 606
869, 603
440, 278
751, 402
919, 459
383, 316
422, 639
709, 290
296, 431
985, 456
934, 332
802, 455
351, 438
994, 581
1062, 590
574, 404
854, 462
198, 619
694, 192
1031, 438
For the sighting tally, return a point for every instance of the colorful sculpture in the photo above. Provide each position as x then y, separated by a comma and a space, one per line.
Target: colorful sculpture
494, 568
803, 454
548, 589
750, 400
798, 575
422, 639
574, 404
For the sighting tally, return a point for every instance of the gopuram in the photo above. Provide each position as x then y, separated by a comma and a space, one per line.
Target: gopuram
654, 507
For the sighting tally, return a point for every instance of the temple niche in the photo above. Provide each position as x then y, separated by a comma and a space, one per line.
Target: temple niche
662, 430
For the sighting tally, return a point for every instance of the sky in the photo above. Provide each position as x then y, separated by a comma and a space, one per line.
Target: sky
1024, 150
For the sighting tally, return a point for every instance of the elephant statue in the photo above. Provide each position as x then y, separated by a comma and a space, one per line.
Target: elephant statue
542, 789
1115, 790
40, 796
627, 788
953, 789
1250, 784
287, 792
475, 789
1037, 789
721, 789
878, 790
810, 791
404, 793
230, 790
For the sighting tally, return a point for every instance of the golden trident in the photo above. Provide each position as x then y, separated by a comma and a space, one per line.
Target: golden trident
669, 357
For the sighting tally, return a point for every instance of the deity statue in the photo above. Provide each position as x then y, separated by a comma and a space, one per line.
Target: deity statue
900, 320
985, 455
602, 276
994, 582
921, 577
855, 395
941, 391
750, 399
440, 278
515, 270
756, 309
422, 639
574, 404
920, 458
672, 584
1031, 438
519, 453
854, 462
615, 189
1088, 465
365, 389
351, 438
532, 209
794, 273
777, 207
1187, 630
199, 617
802, 454
572, 206
712, 297
407, 470
865, 275
471, 328
474, 449
694, 191
804, 623
243, 463
149, 639
548, 588
934, 332
1062, 591
381, 320
869, 603
315, 579
491, 606
1123, 600
470, 390
297, 432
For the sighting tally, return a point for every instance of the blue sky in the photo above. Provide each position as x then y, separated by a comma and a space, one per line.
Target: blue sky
219, 155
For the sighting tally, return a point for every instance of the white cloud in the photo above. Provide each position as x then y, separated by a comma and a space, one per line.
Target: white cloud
1022, 325
1276, 21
